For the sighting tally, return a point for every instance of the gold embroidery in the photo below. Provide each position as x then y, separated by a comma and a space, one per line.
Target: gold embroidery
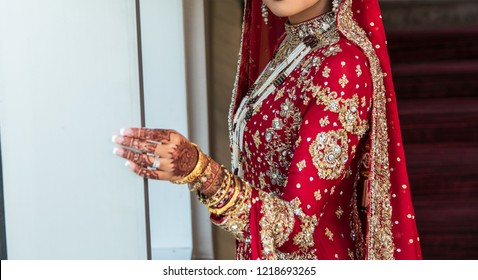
279, 94
347, 109
339, 212
326, 72
350, 119
358, 70
257, 139
305, 238
276, 224
329, 234
324, 96
297, 142
332, 50
379, 240
302, 254
301, 165
350, 253
324, 121
329, 153
317, 195
343, 81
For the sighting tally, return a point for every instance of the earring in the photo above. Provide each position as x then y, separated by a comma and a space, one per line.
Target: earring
265, 13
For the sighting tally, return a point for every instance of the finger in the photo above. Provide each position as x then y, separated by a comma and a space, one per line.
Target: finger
144, 160
135, 143
158, 135
146, 173
141, 159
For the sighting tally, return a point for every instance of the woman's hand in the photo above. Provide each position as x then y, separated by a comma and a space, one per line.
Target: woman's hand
159, 154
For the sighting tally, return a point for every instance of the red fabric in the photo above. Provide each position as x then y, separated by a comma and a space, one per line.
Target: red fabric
368, 16
258, 44
258, 41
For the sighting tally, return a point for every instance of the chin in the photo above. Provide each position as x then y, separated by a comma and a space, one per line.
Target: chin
287, 8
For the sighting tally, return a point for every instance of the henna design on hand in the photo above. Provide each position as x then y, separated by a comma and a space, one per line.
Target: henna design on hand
141, 159
184, 158
158, 135
143, 172
137, 144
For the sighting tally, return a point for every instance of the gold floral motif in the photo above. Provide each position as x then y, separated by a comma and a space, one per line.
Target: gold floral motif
317, 195
257, 139
358, 70
279, 94
329, 153
305, 238
329, 234
343, 81
339, 212
262, 180
326, 97
349, 117
301, 165
287, 108
332, 50
324, 121
346, 108
326, 72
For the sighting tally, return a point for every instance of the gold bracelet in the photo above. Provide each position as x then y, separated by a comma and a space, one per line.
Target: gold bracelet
231, 202
198, 169
246, 192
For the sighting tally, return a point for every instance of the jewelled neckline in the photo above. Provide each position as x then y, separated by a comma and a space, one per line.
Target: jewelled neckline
315, 27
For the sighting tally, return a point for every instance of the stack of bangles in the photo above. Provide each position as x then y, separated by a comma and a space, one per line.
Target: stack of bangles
229, 196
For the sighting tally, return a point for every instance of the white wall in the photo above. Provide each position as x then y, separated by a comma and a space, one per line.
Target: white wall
68, 82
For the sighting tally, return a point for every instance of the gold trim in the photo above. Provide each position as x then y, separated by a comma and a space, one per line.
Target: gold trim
379, 238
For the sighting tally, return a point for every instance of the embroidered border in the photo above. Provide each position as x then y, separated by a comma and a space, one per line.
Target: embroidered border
379, 233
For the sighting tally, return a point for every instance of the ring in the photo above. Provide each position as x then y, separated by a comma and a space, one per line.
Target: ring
156, 163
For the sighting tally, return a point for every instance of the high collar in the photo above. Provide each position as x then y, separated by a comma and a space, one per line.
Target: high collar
315, 27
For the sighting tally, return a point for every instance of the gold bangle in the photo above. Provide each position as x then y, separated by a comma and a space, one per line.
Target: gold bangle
231, 202
197, 171
246, 192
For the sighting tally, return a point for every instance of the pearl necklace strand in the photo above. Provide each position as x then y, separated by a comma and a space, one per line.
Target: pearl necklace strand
255, 97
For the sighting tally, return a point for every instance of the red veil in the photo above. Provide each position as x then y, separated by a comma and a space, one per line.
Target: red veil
390, 220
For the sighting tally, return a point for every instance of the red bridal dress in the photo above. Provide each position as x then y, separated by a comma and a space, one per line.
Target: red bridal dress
315, 138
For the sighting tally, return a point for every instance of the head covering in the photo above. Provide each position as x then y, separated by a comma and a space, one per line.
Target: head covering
390, 228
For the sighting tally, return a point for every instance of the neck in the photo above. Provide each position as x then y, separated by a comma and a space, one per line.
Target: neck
316, 10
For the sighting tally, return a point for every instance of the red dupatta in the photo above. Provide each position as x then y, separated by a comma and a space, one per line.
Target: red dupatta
390, 220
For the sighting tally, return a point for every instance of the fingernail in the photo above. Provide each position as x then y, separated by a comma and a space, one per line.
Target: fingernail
114, 138
122, 131
118, 152
127, 164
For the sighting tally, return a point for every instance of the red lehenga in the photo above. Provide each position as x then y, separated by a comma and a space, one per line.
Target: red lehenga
320, 149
